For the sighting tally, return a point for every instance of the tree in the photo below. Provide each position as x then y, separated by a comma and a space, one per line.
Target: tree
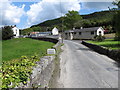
117, 3
7, 32
71, 18
116, 20
37, 28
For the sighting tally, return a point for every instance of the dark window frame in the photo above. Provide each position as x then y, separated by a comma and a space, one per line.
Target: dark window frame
75, 33
92, 32
80, 33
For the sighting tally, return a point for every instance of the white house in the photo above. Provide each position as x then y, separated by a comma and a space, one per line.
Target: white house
55, 31
83, 33
16, 31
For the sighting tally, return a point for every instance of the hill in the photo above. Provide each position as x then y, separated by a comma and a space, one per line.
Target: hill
102, 18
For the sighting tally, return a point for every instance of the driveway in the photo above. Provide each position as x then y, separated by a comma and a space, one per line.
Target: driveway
83, 68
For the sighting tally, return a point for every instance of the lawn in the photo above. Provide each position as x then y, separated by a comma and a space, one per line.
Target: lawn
15, 48
108, 43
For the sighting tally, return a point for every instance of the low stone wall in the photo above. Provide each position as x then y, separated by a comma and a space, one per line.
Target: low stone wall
42, 72
114, 54
53, 40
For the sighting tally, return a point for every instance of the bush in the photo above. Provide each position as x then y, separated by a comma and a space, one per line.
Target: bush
7, 32
116, 24
99, 38
17, 72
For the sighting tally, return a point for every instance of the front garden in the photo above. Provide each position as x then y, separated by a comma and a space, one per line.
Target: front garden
108, 43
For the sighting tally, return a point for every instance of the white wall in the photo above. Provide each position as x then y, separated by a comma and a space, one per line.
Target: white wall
16, 31
100, 30
55, 31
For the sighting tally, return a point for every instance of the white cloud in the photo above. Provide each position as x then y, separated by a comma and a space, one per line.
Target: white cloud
10, 14
96, 0
97, 5
50, 9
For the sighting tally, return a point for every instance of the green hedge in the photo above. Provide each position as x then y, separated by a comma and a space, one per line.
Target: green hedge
17, 71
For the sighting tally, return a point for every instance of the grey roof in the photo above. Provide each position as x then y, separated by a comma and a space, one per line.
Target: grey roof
84, 29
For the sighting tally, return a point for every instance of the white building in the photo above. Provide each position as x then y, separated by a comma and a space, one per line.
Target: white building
16, 31
83, 33
55, 31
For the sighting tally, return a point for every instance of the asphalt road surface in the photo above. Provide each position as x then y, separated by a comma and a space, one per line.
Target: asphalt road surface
83, 68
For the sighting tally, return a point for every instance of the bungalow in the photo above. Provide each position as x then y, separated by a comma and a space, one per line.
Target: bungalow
83, 33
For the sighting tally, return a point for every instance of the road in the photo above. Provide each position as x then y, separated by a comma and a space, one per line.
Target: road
83, 68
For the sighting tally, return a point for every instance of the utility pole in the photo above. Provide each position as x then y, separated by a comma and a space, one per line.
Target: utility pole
61, 22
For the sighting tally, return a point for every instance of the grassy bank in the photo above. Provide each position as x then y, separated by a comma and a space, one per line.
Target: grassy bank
15, 48
108, 43
16, 70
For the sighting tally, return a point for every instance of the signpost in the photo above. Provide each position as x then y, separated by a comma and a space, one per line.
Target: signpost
51, 51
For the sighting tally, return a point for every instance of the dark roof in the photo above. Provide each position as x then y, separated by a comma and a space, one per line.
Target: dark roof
84, 29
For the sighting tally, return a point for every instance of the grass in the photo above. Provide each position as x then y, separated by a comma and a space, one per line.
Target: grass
15, 48
108, 43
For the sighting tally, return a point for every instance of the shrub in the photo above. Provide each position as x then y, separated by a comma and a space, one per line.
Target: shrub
99, 38
17, 71
7, 32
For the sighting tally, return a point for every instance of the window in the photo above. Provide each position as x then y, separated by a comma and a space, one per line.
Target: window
92, 33
74, 32
16, 31
79, 33
99, 32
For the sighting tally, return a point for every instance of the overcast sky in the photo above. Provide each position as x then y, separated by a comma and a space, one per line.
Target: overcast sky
24, 13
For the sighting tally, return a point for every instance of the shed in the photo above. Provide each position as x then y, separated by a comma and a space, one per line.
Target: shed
55, 31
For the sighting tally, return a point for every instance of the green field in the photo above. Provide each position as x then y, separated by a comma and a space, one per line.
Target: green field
108, 43
15, 48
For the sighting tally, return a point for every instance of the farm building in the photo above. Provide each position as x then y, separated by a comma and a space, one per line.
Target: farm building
83, 33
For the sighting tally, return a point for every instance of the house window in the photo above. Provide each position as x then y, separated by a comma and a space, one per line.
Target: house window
74, 32
16, 31
99, 32
79, 33
92, 33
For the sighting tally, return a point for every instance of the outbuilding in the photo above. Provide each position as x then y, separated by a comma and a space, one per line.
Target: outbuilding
55, 31
83, 33
16, 31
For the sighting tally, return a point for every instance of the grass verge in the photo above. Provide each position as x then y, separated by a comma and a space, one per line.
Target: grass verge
56, 73
108, 43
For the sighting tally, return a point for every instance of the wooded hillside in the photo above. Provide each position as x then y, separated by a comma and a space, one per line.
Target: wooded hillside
103, 18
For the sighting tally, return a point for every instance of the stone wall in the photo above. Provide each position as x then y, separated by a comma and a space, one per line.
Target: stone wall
46, 39
114, 54
42, 72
